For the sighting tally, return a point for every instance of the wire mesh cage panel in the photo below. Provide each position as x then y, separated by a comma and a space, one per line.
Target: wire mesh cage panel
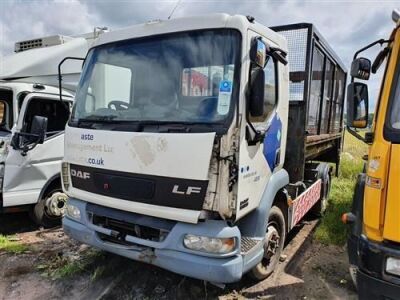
297, 51
316, 91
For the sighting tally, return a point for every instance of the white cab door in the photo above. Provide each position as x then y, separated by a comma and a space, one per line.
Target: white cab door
26, 174
258, 161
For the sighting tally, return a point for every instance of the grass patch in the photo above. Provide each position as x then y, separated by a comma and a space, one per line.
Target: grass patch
332, 230
61, 267
7, 244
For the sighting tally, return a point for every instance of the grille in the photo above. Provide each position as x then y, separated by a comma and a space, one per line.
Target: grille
246, 244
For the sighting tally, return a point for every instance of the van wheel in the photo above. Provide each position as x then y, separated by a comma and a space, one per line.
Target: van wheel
273, 244
324, 174
49, 211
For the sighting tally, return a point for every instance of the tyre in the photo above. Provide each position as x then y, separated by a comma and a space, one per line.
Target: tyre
49, 211
273, 244
324, 174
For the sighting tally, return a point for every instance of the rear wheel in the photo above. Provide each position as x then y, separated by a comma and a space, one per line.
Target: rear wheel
50, 209
273, 244
319, 208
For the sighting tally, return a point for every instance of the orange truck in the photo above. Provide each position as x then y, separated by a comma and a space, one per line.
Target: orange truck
374, 241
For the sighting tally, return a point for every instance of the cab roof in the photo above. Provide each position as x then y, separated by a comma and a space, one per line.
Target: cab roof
210, 21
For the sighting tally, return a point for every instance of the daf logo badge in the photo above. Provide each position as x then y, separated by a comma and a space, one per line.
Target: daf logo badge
80, 174
190, 190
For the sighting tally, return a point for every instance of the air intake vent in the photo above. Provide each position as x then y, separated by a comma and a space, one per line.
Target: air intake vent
41, 42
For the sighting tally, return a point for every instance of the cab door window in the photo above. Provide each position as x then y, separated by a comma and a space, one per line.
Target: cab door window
270, 91
56, 112
395, 112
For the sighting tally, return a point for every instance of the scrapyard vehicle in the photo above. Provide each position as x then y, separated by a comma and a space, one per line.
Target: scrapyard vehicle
29, 100
373, 245
194, 147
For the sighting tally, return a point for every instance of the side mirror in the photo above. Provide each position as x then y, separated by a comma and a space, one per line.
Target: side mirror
258, 52
39, 128
357, 105
256, 92
361, 68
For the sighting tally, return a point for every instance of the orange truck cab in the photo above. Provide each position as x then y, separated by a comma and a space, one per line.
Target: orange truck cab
374, 241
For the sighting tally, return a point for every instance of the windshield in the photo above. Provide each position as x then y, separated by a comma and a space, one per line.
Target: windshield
392, 122
178, 78
395, 113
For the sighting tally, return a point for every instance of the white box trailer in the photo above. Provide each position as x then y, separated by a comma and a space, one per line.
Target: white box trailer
29, 173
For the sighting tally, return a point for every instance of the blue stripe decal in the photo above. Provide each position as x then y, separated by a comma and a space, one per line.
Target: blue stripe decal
272, 141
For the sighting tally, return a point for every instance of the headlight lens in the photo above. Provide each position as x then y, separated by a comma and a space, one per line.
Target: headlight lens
73, 212
393, 266
65, 175
208, 244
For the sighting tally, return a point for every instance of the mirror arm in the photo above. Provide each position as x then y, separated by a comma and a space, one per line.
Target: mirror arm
278, 54
356, 134
380, 42
59, 72
25, 149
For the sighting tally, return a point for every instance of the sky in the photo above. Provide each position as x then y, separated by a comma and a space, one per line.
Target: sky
346, 25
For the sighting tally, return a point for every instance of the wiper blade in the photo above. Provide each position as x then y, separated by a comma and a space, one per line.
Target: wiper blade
98, 118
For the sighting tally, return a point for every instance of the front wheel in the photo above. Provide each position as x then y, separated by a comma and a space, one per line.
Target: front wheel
273, 244
50, 209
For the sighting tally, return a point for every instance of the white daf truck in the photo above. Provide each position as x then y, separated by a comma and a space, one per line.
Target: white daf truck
29, 164
194, 146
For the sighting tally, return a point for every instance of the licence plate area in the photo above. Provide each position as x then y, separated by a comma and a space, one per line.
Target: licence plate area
123, 225
120, 230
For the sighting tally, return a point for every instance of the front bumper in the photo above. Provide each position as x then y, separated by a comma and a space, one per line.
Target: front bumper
372, 280
170, 254
372, 288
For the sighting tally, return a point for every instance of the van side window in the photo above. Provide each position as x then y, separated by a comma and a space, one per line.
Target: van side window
270, 91
56, 112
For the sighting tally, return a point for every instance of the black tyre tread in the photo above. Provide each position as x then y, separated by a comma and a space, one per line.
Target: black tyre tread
38, 215
319, 208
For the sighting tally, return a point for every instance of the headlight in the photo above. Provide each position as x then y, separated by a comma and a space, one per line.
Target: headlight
393, 266
207, 244
65, 175
73, 212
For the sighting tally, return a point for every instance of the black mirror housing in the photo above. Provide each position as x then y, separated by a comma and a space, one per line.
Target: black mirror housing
361, 68
357, 105
256, 92
39, 128
380, 58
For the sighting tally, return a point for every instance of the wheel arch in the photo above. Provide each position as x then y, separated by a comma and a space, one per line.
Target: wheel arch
53, 181
255, 223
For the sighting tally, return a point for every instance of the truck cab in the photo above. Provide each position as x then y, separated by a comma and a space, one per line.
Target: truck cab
29, 101
373, 244
175, 149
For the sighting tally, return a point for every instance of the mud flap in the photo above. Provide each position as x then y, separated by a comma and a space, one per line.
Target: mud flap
356, 226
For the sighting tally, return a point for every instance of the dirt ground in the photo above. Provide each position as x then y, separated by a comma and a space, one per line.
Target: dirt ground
310, 271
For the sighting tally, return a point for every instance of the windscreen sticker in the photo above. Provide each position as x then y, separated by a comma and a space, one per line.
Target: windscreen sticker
224, 97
